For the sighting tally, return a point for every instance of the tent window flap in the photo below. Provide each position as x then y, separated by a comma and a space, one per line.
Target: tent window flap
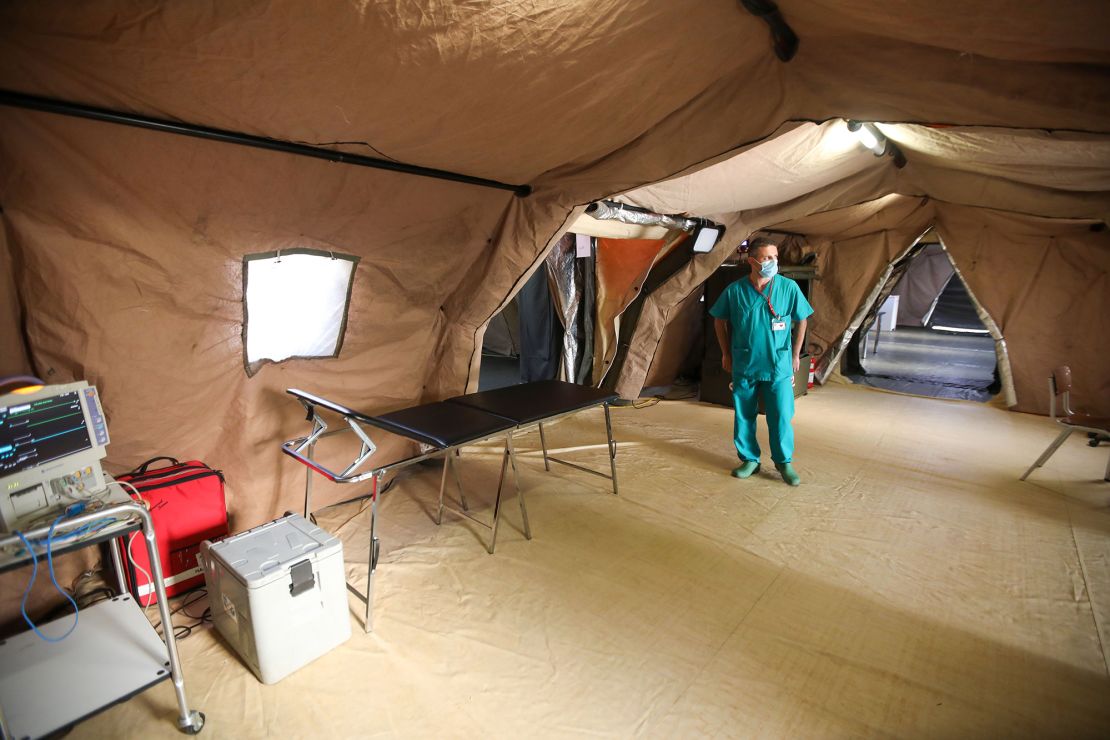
295, 304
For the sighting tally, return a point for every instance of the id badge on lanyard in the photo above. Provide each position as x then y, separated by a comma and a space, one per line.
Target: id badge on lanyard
778, 323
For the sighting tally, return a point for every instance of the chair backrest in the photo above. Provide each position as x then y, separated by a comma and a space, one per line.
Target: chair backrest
1062, 378
1059, 384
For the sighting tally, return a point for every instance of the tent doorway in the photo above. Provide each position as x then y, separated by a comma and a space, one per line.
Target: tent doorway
924, 334
501, 350
524, 341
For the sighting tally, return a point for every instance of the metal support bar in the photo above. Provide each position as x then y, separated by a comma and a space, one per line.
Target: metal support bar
458, 481
368, 624
368, 447
612, 448
117, 563
610, 445
1048, 452
497, 499
65, 108
584, 469
189, 721
508, 457
543, 445
308, 484
519, 492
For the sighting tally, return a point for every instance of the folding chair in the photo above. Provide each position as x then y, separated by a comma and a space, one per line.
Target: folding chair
1059, 387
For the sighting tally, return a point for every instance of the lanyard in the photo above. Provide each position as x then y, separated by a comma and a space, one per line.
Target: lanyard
767, 297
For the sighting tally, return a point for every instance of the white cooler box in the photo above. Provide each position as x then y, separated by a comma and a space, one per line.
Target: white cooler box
278, 594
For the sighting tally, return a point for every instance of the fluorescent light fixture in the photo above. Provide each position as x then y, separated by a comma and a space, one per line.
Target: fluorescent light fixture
707, 238
869, 135
295, 304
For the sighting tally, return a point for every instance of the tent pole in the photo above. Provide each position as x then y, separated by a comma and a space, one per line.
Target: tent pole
61, 107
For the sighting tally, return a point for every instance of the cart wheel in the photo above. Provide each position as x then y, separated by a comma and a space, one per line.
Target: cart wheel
194, 725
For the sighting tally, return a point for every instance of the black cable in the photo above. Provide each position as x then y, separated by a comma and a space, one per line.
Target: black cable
190, 597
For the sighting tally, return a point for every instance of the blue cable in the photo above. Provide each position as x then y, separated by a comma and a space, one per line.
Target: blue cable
53, 578
90, 528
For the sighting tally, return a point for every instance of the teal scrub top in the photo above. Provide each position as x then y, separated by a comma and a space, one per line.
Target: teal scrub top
758, 351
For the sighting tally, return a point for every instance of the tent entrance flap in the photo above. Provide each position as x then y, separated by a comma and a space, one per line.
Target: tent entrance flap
936, 344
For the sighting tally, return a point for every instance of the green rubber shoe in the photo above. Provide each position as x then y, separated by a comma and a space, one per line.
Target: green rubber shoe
746, 470
788, 473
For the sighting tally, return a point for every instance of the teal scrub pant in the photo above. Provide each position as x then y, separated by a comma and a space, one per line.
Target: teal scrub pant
778, 402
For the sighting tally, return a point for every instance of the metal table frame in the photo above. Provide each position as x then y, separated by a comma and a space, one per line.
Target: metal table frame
189, 721
303, 450
612, 447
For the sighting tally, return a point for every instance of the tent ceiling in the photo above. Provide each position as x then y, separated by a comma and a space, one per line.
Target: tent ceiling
507, 92
1062, 160
793, 163
1052, 174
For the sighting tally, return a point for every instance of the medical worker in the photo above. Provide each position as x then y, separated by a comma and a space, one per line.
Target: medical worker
753, 320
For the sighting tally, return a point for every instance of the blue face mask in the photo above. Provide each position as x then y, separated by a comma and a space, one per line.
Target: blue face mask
769, 269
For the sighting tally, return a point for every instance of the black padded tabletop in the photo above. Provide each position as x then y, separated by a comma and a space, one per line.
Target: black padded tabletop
442, 424
530, 402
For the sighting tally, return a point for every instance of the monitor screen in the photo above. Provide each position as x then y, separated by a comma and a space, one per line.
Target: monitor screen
36, 432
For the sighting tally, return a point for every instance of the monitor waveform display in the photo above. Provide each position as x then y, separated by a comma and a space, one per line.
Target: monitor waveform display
36, 432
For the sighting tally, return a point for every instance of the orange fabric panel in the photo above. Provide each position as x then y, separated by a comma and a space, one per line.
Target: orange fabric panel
622, 265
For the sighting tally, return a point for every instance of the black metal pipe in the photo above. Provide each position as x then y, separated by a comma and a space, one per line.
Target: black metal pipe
49, 105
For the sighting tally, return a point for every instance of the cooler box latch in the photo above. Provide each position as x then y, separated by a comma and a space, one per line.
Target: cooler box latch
301, 578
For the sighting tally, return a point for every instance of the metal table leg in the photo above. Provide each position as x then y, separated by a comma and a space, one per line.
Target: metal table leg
308, 484
373, 557
543, 444
519, 490
458, 481
497, 500
612, 448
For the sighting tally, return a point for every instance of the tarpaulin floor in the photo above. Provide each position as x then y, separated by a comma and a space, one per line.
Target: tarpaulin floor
911, 587
925, 362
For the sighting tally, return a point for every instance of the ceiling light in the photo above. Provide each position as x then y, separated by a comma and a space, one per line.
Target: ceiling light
869, 136
707, 237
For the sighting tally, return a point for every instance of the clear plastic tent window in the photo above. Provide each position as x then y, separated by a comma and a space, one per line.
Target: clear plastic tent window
295, 304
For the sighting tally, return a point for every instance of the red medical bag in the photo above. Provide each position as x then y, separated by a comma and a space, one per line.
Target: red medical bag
186, 502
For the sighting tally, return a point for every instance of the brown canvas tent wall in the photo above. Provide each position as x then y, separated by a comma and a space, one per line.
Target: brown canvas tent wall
126, 244
922, 284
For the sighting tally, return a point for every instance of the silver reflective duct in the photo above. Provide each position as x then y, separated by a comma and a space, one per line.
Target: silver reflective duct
567, 294
607, 210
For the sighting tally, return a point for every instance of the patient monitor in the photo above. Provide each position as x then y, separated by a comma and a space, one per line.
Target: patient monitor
51, 445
